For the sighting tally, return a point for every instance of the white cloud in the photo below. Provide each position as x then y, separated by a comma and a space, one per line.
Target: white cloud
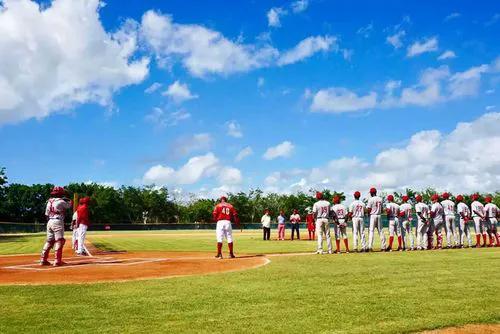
273, 16
229, 176
307, 47
459, 161
260, 82
489, 108
246, 152
283, 150
234, 129
299, 6
396, 39
339, 100
161, 118
186, 145
466, 83
179, 92
366, 30
428, 91
195, 169
57, 56
448, 54
419, 47
452, 16
202, 51
153, 88
490, 91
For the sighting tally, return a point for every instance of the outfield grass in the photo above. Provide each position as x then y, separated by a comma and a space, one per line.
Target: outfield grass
356, 293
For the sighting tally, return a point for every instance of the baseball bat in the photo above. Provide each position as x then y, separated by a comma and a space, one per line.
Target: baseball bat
75, 201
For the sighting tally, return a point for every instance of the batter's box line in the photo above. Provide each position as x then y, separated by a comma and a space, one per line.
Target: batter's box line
97, 262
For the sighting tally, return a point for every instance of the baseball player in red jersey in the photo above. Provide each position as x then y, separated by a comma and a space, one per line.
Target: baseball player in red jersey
55, 211
224, 213
311, 227
83, 223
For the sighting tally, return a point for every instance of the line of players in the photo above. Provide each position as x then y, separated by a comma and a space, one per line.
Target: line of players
431, 220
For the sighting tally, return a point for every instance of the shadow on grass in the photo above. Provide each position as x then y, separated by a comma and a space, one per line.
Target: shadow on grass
13, 238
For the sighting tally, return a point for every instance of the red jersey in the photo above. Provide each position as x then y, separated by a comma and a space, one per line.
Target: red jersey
83, 214
225, 211
310, 222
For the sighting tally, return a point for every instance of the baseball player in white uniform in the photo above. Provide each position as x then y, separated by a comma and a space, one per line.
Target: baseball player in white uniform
374, 208
492, 212
357, 214
423, 223
449, 221
463, 226
340, 214
406, 217
321, 212
55, 211
478, 215
392, 211
437, 214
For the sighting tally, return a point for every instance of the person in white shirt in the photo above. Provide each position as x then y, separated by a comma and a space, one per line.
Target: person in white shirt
492, 212
74, 228
357, 214
374, 208
437, 214
295, 222
423, 223
406, 217
340, 214
321, 211
392, 211
463, 226
449, 221
478, 215
266, 224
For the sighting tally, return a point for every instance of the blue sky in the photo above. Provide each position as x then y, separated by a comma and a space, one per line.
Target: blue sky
344, 95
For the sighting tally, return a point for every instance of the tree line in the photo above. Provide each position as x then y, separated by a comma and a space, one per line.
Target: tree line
153, 205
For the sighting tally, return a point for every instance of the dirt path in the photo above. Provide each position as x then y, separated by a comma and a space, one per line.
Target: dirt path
468, 329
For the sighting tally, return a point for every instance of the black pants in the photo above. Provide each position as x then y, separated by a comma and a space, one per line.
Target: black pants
295, 227
267, 232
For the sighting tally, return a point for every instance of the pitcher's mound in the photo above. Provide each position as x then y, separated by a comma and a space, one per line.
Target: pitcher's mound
119, 266
468, 329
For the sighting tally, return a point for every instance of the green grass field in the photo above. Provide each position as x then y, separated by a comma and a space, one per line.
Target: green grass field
350, 293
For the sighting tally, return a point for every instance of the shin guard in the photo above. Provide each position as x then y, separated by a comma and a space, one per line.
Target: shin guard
58, 248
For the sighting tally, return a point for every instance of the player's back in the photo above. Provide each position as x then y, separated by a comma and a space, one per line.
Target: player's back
406, 208
223, 211
393, 210
56, 208
423, 209
339, 210
448, 207
478, 207
357, 208
491, 210
375, 204
462, 208
322, 209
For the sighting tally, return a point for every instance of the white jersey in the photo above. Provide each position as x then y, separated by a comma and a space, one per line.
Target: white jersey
477, 207
463, 209
423, 209
56, 208
375, 204
448, 207
407, 210
438, 211
322, 209
295, 218
491, 210
340, 211
75, 216
357, 208
394, 210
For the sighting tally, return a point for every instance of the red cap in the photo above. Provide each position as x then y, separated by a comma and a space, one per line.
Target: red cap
373, 191
319, 195
223, 198
475, 197
85, 200
390, 198
435, 197
418, 198
460, 198
58, 191
295, 211
445, 195
336, 199
405, 198
357, 194
488, 199
266, 210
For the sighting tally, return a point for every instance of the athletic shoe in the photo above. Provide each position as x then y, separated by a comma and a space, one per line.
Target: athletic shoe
58, 264
232, 256
45, 263
218, 256
330, 252
319, 252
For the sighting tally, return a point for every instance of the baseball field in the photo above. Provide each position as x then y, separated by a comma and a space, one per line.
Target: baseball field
273, 286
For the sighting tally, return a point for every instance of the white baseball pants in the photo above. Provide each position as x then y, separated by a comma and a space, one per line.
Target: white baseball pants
464, 231
224, 230
394, 227
422, 230
479, 227
323, 227
358, 230
451, 230
406, 230
340, 230
82, 233
376, 223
